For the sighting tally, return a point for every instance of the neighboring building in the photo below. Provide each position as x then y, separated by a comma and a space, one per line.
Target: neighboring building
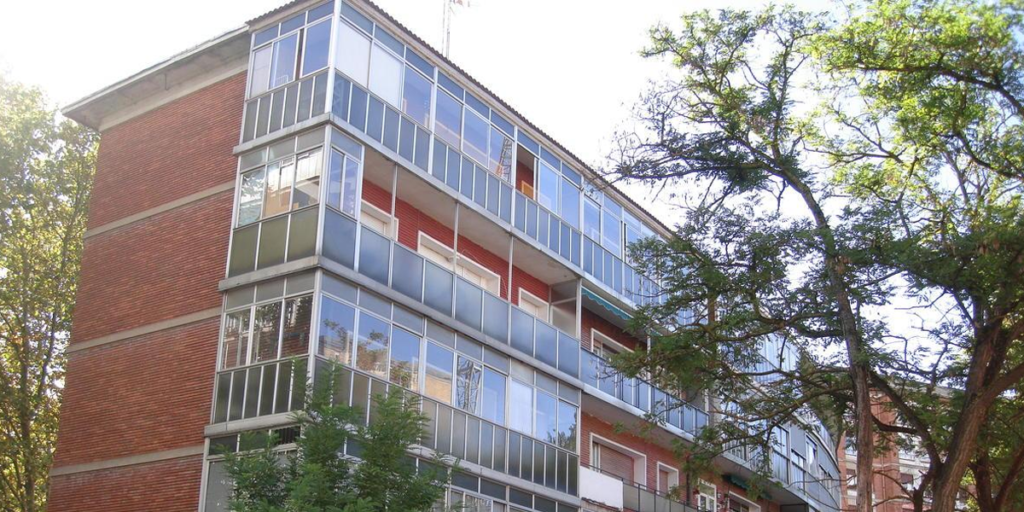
322, 185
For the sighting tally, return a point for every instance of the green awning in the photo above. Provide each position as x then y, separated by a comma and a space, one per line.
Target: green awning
737, 481
612, 308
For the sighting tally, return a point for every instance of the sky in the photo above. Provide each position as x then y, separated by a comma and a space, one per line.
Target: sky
570, 66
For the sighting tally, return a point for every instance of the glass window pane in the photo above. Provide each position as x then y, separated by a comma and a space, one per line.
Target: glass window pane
385, 75
405, 359
612, 233
546, 410
337, 321
475, 137
547, 193
372, 347
501, 151
278, 196
316, 47
236, 339
439, 373
335, 174
307, 179
352, 55
494, 396
520, 411
592, 220
449, 119
259, 81
570, 204
282, 70
297, 316
348, 187
566, 425
467, 390
267, 331
250, 197
416, 97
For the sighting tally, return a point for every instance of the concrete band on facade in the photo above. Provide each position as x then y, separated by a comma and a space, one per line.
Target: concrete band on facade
132, 460
178, 203
146, 329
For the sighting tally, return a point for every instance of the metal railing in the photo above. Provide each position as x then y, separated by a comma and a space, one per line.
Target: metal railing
466, 437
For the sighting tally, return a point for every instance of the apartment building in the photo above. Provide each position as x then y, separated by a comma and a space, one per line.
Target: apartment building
319, 186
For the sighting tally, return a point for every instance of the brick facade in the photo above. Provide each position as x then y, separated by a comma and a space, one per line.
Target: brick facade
179, 149
164, 486
150, 393
412, 222
591, 427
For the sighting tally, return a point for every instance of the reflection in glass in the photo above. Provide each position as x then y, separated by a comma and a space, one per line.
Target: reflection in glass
236, 339
547, 192
405, 359
268, 330
297, 316
475, 137
307, 179
566, 425
260, 78
250, 197
316, 47
372, 345
449, 119
439, 373
282, 70
494, 396
337, 321
546, 412
279, 187
501, 150
592, 220
520, 410
467, 390
416, 97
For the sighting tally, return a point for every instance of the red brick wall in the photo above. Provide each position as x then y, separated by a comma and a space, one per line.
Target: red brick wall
176, 150
164, 486
156, 269
654, 453
523, 175
412, 222
146, 394
149, 393
591, 320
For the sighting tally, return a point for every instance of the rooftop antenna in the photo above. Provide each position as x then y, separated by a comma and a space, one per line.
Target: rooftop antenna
448, 7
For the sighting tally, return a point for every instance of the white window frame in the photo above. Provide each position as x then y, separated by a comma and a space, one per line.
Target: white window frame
639, 459
708, 498
605, 340
673, 474
459, 263
753, 507
390, 221
535, 301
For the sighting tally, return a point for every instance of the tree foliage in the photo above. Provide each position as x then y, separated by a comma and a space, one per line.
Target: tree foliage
46, 169
319, 477
850, 187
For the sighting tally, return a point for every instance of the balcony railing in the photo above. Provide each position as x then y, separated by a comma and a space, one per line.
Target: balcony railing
466, 437
285, 106
641, 394
261, 390
640, 498
406, 272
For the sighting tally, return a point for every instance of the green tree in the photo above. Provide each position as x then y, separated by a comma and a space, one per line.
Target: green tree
318, 477
46, 169
831, 173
